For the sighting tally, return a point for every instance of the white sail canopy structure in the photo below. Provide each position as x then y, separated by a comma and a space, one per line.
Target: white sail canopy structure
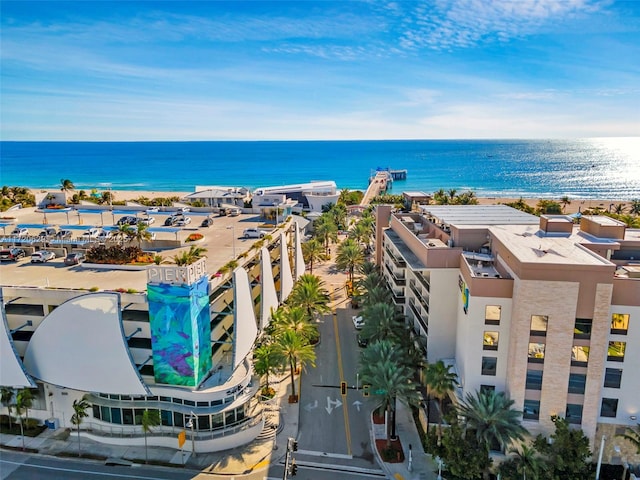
286, 279
245, 328
12, 373
81, 345
268, 295
299, 257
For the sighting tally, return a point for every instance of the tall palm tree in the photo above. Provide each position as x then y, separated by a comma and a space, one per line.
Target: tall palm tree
265, 361
527, 461
452, 194
361, 233
377, 294
310, 294
367, 268
349, 257
633, 435
140, 233
338, 212
382, 322
313, 252
295, 318
148, 420
490, 416
6, 397
294, 352
389, 380
441, 381
565, 201
326, 230
66, 185
634, 209
80, 412
124, 232
24, 401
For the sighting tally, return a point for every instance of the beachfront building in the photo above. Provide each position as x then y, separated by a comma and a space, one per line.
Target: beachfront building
310, 197
217, 197
182, 346
542, 308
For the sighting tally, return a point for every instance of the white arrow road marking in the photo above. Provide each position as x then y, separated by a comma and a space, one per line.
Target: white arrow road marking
357, 404
310, 406
331, 404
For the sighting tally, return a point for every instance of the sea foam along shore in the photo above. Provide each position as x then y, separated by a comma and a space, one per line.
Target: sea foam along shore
575, 205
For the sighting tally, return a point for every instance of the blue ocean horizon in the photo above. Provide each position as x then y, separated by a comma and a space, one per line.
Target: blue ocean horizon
605, 168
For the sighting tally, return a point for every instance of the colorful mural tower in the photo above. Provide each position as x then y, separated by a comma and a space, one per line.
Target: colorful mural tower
180, 323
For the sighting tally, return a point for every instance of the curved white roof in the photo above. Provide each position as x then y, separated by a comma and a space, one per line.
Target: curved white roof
286, 279
300, 267
81, 345
245, 328
268, 296
12, 372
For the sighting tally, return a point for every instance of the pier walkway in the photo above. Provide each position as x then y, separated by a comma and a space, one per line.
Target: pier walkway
377, 186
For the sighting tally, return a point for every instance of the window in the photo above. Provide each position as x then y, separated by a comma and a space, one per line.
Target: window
577, 383
539, 325
490, 341
582, 328
105, 414
191, 403
489, 365
612, 377
487, 388
127, 416
96, 411
492, 314
166, 418
574, 413
534, 380
204, 422
178, 419
579, 356
619, 323
536, 352
531, 410
615, 353
116, 416
609, 407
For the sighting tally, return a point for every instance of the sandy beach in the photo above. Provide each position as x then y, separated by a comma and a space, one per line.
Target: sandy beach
575, 205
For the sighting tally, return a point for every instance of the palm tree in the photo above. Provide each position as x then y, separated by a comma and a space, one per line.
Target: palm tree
361, 233
634, 209
326, 230
565, 201
619, 209
66, 185
294, 352
350, 257
124, 232
440, 383
265, 361
80, 412
140, 233
310, 294
629, 220
294, 318
633, 435
490, 416
6, 397
389, 379
452, 194
187, 258
24, 401
148, 419
382, 322
313, 251
527, 461
368, 268
377, 294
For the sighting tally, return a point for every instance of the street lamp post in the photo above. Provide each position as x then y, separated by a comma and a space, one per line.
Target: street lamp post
233, 240
191, 424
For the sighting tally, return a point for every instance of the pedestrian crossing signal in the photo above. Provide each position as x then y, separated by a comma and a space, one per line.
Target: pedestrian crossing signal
343, 388
365, 390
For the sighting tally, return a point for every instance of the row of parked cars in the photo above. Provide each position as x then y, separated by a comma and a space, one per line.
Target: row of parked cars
41, 256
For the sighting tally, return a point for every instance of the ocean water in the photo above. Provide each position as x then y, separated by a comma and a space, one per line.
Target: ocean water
606, 168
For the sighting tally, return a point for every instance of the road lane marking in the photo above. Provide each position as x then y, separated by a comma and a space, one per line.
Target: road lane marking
71, 470
345, 410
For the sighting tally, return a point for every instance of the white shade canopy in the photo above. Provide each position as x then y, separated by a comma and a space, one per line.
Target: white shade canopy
12, 373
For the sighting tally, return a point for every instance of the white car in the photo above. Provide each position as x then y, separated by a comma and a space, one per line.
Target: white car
104, 235
64, 235
42, 256
358, 322
152, 210
184, 209
47, 232
20, 232
148, 221
91, 233
253, 233
182, 221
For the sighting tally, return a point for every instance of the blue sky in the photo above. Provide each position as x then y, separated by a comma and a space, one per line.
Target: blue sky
319, 70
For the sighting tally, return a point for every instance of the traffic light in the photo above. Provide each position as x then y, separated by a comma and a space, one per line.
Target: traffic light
294, 469
365, 390
343, 388
294, 446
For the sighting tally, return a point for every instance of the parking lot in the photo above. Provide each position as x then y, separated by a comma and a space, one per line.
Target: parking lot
223, 241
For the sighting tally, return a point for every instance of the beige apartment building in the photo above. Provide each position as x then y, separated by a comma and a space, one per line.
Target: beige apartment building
543, 308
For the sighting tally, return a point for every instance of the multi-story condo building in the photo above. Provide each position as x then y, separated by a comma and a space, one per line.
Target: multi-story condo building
545, 309
180, 343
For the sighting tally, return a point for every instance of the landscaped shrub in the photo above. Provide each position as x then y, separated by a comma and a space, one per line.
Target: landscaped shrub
194, 236
117, 255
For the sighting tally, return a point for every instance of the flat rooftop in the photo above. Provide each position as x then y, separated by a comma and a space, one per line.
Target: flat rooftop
476, 215
530, 247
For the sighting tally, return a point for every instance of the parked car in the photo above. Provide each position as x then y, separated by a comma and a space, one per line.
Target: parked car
207, 222
362, 341
152, 210
171, 221
20, 232
14, 254
64, 235
147, 221
91, 233
74, 258
253, 233
183, 221
104, 235
128, 220
42, 256
47, 232
184, 209
358, 321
